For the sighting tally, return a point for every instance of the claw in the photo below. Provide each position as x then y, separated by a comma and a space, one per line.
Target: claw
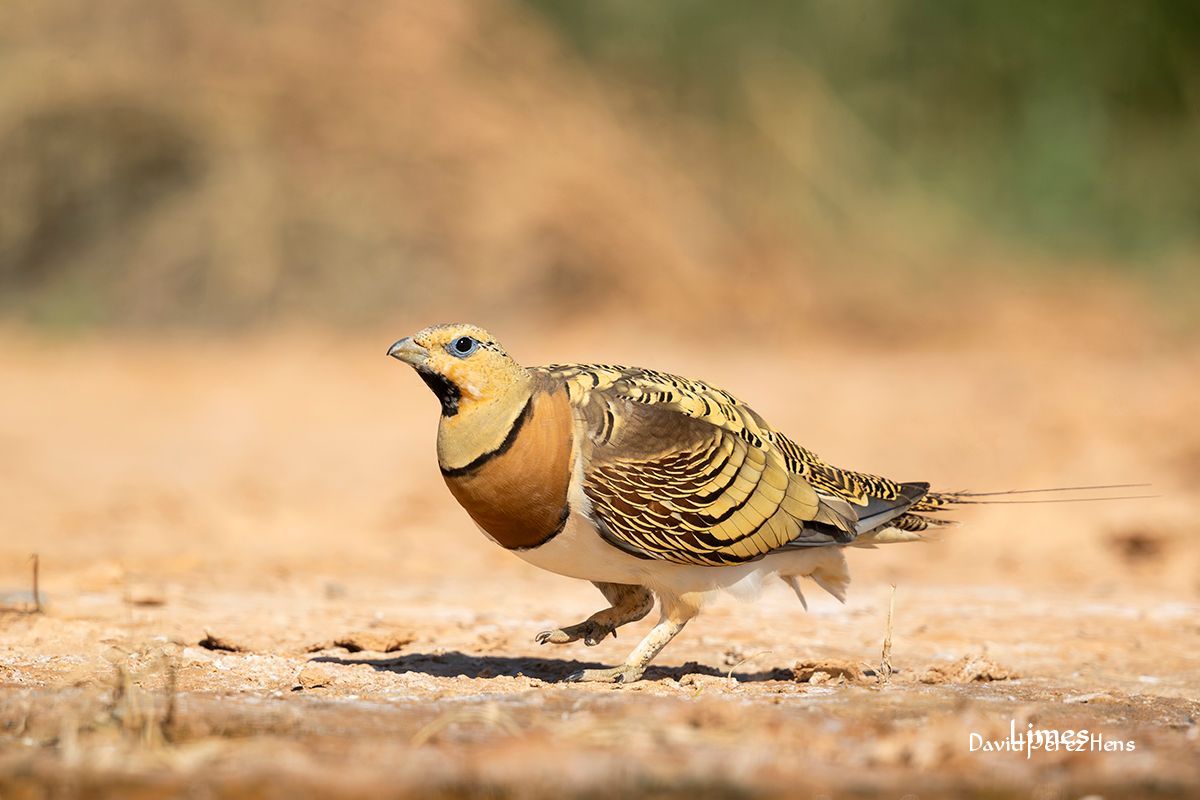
591, 633
553, 637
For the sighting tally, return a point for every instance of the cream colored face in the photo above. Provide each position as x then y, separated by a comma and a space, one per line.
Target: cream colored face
462, 363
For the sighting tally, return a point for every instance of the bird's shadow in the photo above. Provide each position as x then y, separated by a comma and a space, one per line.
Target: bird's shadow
454, 664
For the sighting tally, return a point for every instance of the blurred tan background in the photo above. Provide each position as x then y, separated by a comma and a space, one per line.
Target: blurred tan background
939, 224
955, 247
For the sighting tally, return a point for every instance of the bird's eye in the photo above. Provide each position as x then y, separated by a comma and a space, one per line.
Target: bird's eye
463, 346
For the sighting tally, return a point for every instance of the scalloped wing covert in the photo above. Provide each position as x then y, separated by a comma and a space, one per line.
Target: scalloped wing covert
682, 471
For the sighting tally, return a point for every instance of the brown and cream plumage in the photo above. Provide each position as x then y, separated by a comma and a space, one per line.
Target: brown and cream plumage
647, 484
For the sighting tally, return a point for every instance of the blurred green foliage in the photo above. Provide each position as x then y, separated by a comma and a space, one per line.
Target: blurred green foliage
1073, 127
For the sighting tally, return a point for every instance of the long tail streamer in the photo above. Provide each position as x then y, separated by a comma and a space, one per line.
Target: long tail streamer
940, 500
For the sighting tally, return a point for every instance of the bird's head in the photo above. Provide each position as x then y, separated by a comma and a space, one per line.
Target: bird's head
462, 364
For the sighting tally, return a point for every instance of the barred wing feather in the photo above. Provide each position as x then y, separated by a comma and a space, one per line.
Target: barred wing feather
681, 471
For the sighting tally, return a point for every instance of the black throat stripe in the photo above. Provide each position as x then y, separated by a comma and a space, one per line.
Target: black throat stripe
447, 393
518, 423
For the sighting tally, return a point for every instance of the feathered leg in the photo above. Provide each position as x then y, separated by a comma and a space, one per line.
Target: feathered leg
676, 611
629, 604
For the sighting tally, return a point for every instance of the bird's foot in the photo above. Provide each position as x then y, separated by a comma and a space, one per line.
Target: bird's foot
590, 631
621, 674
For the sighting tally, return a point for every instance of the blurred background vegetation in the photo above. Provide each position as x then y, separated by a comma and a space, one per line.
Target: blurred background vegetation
236, 163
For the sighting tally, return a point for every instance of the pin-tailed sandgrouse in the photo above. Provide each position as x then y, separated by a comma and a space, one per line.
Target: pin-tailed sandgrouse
646, 484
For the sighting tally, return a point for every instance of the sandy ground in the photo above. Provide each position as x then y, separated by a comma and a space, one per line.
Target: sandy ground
255, 584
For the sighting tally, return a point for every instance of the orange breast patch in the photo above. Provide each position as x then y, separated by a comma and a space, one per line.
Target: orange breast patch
519, 495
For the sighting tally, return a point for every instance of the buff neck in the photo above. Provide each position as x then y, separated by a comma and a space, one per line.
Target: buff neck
482, 423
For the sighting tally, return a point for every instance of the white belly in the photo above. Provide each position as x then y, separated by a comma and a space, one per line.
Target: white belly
580, 552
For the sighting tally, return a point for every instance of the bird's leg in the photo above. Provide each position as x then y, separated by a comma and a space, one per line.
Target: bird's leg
629, 604
676, 611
